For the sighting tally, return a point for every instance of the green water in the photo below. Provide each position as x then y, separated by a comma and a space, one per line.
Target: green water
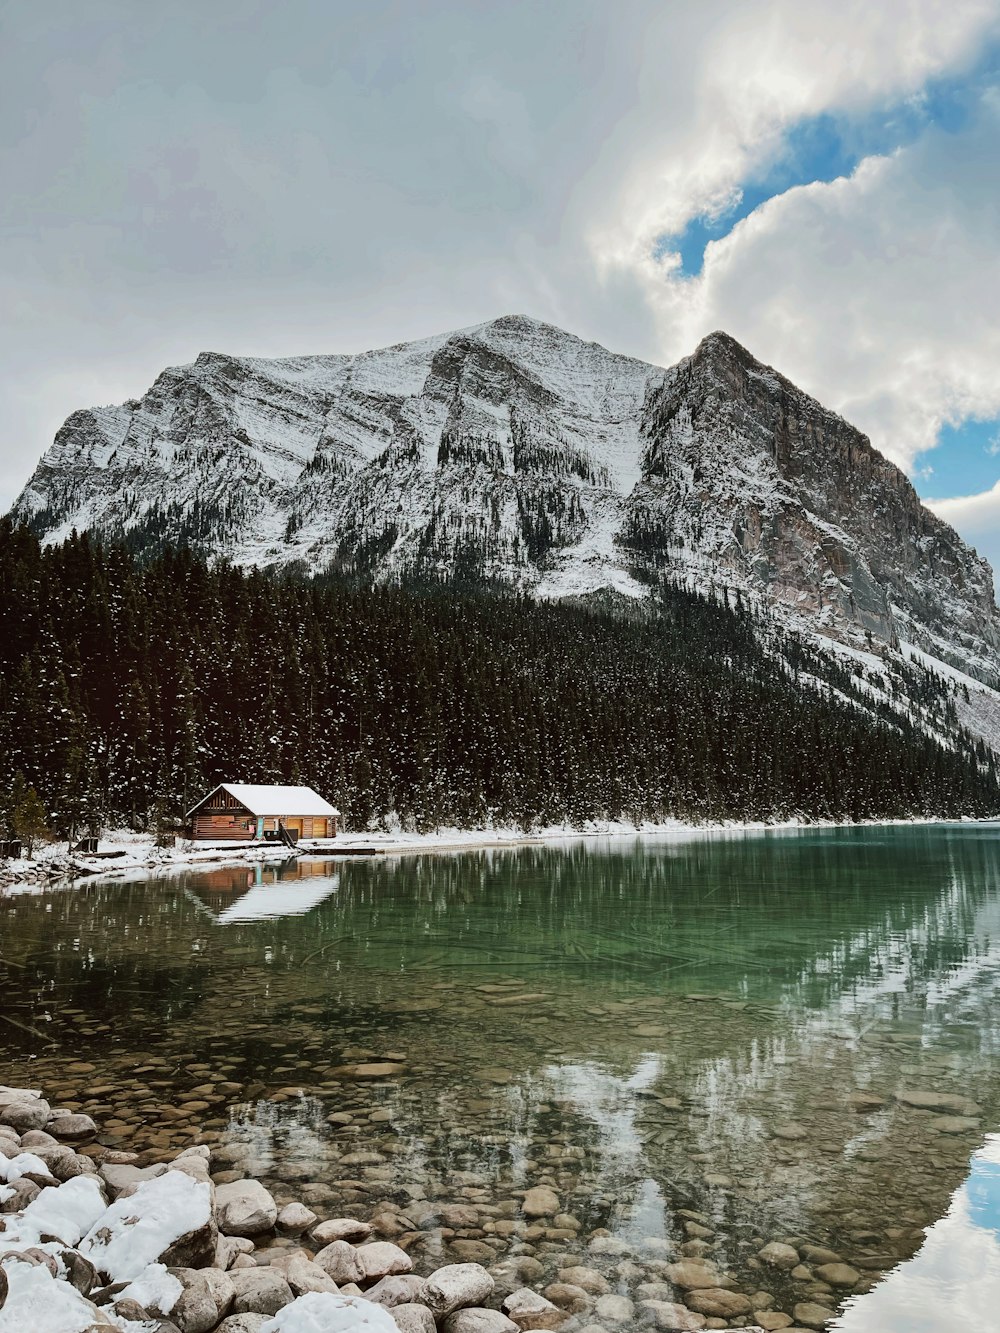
673, 1034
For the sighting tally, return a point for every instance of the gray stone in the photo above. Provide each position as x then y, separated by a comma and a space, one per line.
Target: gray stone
243, 1323
940, 1101
692, 1274
719, 1303
74, 1128
259, 1290
80, 1272
540, 1202
567, 1297
195, 1310
340, 1228
244, 1208
478, 1320
381, 1258
74, 1164
304, 1275
31, 1113
589, 1279
413, 1319
838, 1275
812, 1314
221, 1286
777, 1255
119, 1177
668, 1315
24, 1190
195, 1249
455, 1286
614, 1309
529, 1310
399, 1289
340, 1262
953, 1124
296, 1218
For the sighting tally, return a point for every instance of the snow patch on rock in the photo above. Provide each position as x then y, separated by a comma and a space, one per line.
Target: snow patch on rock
135, 1231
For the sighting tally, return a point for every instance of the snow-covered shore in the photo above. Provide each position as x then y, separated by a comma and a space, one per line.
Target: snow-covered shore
123, 851
104, 1239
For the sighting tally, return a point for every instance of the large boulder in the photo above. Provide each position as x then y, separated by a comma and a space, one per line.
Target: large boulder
26, 1113
296, 1218
121, 1176
398, 1289
62, 1212
72, 1128
340, 1261
414, 1318
455, 1286
259, 1291
163, 1215
244, 1208
182, 1295
381, 1258
36, 1300
479, 1321
303, 1275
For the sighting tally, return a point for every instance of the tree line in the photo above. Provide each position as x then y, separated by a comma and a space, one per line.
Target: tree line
130, 685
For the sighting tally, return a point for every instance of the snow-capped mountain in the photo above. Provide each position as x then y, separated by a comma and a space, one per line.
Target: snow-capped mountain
517, 451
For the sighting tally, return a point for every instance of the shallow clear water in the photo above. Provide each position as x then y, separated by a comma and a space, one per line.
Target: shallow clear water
786, 1036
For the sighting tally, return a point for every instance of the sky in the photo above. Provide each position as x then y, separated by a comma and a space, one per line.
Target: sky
816, 177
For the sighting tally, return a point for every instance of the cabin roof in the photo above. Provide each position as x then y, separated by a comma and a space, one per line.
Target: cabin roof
273, 800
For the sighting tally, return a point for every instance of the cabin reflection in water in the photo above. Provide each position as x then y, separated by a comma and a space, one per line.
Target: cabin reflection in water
258, 893
953, 1281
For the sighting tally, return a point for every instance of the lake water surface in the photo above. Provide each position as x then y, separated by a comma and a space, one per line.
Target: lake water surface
700, 1044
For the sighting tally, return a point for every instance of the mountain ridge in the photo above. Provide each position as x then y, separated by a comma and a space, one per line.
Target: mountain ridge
513, 450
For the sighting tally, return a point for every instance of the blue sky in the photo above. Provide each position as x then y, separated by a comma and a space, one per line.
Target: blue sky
321, 177
823, 147
965, 458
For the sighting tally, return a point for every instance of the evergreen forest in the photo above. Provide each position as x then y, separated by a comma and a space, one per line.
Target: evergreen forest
130, 685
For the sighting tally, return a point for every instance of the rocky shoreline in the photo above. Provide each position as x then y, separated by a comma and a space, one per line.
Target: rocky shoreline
97, 1238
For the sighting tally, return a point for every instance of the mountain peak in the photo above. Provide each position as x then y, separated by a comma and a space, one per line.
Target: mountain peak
517, 452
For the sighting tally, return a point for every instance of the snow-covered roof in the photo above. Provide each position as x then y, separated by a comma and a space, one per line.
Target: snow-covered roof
273, 800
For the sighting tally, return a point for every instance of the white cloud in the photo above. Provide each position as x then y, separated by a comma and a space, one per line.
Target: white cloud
877, 293
746, 74
311, 177
977, 518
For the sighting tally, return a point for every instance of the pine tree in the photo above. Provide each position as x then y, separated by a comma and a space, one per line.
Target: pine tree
30, 822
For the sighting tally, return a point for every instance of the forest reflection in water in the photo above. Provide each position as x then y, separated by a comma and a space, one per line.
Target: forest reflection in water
788, 1035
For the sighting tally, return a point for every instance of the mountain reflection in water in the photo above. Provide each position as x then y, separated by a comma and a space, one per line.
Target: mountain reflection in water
953, 1282
741, 1037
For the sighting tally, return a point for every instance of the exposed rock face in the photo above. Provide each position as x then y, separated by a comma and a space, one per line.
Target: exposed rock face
789, 499
519, 452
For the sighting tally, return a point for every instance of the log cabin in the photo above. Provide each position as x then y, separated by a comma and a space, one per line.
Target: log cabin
243, 812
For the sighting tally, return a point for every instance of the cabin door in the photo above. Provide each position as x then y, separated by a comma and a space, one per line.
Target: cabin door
294, 826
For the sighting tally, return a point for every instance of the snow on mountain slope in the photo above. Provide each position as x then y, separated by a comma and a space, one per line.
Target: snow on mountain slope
518, 452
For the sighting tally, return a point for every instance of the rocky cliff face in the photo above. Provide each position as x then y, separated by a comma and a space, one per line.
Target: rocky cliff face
516, 451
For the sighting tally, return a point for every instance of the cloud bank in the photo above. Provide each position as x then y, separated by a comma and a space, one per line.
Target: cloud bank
324, 178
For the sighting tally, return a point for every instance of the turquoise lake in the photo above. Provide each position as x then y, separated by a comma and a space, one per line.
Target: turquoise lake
700, 1043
